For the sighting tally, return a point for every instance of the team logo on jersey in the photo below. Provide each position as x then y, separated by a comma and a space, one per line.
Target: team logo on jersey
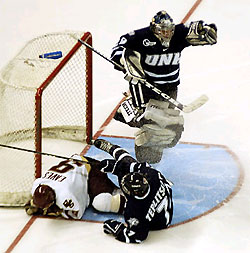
163, 59
133, 222
148, 43
68, 203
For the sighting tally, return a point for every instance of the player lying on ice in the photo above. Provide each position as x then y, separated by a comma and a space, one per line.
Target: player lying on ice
148, 195
67, 189
154, 53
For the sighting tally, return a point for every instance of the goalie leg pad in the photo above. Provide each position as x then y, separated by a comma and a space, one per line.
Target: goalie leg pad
160, 113
165, 128
153, 135
178, 131
164, 120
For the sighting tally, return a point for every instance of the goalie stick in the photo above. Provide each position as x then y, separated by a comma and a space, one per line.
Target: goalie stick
94, 50
42, 153
197, 103
135, 71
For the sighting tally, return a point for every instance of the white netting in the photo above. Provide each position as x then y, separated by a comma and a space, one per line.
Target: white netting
63, 112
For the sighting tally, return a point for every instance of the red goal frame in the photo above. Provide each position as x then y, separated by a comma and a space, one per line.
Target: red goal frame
87, 37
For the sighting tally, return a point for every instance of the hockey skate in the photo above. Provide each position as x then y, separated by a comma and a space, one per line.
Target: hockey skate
103, 145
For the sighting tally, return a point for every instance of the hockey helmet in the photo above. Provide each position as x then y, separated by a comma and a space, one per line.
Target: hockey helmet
44, 196
135, 185
163, 27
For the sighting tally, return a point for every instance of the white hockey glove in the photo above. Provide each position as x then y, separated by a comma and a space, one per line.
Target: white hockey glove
166, 127
202, 34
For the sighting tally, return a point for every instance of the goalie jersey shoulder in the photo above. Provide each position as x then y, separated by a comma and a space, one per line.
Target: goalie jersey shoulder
144, 41
141, 40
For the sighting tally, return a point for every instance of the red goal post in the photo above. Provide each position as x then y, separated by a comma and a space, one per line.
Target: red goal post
42, 98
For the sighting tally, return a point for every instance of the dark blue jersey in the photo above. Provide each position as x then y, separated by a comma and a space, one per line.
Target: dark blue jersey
161, 65
152, 212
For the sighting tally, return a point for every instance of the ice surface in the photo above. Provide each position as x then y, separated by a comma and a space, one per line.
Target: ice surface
220, 71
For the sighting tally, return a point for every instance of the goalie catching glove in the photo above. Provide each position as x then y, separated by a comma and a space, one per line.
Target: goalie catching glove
202, 34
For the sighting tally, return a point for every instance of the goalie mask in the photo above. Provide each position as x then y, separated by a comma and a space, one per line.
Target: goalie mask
163, 27
135, 185
44, 196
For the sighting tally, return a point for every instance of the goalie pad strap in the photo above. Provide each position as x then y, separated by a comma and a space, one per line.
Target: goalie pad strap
128, 110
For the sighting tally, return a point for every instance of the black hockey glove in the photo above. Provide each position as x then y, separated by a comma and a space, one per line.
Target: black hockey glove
113, 227
54, 210
31, 209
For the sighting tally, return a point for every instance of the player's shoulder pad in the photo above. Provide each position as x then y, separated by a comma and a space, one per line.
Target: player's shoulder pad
182, 28
139, 33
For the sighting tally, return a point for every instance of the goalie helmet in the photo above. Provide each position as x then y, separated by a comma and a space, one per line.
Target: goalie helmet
44, 196
163, 27
135, 185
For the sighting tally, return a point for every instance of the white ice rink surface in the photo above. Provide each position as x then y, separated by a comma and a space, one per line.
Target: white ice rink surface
220, 71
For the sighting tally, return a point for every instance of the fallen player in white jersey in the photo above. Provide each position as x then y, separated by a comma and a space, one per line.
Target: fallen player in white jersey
67, 189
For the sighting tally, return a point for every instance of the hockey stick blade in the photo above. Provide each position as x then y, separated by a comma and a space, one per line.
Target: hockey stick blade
185, 108
195, 104
134, 70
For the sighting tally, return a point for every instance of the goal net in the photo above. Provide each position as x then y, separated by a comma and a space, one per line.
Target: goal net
45, 93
